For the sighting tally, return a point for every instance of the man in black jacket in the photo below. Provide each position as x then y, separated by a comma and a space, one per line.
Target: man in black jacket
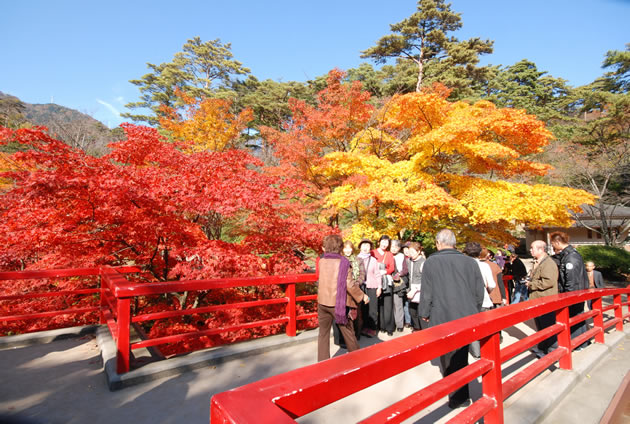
452, 288
572, 277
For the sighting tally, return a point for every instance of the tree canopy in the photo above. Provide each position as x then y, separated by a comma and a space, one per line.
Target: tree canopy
423, 38
202, 69
146, 203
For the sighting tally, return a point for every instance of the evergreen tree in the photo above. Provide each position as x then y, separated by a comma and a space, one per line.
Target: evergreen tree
618, 80
201, 69
423, 40
523, 86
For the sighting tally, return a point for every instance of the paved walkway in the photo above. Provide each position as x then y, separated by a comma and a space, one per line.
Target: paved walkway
63, 382
591, 396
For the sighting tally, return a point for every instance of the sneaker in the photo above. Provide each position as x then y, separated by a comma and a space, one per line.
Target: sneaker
400, 330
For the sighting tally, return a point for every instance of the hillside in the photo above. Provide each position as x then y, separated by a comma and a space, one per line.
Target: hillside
75, 128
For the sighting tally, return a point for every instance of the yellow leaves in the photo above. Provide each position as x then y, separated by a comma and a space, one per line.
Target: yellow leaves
378, 142
480, 137
428, 160
497, 201
208, 124
9, 164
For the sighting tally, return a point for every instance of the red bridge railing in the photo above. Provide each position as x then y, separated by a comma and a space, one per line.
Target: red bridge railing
285, 397
117, 295
66, 294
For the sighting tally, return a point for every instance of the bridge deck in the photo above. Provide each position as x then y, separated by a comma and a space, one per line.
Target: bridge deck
63, 382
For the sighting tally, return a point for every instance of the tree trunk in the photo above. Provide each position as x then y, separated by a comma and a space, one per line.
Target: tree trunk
420, 71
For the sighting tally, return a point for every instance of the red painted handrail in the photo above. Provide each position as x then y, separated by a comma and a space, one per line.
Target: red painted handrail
54, 273
284, 397
118, 292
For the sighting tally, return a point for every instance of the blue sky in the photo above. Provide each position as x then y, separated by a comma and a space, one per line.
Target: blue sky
82, 54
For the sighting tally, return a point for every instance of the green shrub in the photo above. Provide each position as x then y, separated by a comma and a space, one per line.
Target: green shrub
607, 258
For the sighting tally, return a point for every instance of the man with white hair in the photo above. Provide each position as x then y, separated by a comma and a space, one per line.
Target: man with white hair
452, 288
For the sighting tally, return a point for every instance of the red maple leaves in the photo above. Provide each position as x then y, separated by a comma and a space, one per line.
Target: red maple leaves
147, 203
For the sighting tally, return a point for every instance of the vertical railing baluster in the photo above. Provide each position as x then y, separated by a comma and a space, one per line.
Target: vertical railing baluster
598, 320
291, 310
123, 321
102, 301
564, 338
491, 381
618, 311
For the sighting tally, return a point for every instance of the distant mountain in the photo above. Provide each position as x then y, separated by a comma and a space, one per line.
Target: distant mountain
75, 128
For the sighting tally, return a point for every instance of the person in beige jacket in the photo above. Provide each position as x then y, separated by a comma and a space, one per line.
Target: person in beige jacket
337, 297
543, 282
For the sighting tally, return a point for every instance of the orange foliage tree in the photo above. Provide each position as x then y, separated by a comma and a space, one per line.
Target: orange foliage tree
341, 111
420, 162
205, 125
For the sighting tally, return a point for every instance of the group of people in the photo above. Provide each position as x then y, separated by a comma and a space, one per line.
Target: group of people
380, 285
387, 287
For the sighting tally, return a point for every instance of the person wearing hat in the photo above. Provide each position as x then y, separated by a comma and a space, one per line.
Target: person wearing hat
372, 284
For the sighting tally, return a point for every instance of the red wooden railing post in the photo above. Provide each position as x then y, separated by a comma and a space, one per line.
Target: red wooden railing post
618, 311
123, 321
598, 320
102, 302
564, 338
491, 381
291, 310
506, 284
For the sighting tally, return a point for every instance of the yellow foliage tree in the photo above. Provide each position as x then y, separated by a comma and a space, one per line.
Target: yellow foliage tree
467, 166
206, 125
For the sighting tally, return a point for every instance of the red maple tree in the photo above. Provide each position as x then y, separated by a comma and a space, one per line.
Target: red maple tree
149, 204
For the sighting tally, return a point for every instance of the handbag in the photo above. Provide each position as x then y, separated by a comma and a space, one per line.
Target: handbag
386, 285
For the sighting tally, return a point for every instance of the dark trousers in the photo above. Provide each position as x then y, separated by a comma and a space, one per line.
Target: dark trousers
543, 322
452, 362
415, 318
326, 317
370, 311
386, 312
338, 337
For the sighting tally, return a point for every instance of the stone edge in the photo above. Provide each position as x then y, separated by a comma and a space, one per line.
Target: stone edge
181, 364
533, 406
42, 337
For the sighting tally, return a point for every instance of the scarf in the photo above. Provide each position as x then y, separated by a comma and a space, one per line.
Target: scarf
340, 301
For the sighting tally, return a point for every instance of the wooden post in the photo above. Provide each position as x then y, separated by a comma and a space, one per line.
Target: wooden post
123, 322
102, 301
291, 310
598, 320
618, 311
564, 338
491, 381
